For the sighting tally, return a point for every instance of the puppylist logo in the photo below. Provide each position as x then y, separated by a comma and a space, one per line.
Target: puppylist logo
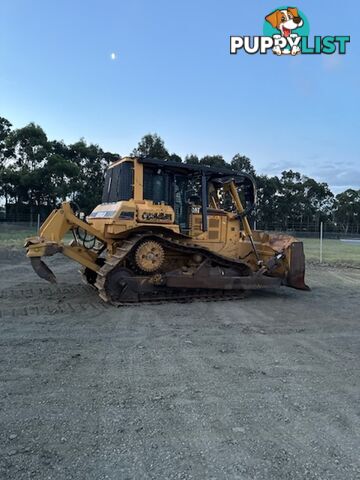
286, 32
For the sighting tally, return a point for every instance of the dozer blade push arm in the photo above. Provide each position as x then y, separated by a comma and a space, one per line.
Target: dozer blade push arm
241, 212
51, 241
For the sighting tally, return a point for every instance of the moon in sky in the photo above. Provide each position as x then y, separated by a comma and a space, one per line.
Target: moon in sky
113, 56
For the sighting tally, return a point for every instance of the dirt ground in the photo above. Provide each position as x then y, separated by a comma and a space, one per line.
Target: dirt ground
263, 388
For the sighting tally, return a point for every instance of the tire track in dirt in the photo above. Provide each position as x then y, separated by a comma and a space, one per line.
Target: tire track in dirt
9, 254
47, 291
51, 309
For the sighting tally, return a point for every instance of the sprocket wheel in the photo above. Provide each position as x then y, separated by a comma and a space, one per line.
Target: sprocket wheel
149, 256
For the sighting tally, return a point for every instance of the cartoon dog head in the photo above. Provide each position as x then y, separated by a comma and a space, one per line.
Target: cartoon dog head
285, 20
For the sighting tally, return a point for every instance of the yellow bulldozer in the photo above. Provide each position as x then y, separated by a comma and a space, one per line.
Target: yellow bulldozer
168, 230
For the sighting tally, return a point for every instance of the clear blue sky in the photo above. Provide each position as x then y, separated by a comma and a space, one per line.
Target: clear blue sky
173, 75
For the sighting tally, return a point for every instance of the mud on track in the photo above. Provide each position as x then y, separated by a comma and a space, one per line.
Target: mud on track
262, 388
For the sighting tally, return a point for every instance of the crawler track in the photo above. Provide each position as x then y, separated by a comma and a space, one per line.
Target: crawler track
164, 294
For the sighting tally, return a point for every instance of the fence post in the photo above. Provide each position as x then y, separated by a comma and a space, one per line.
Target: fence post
38, 221
321, 241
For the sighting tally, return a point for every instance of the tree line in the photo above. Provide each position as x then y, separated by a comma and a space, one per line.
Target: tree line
36, 174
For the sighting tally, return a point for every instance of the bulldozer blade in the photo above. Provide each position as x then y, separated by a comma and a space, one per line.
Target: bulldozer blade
296, 275
42, 269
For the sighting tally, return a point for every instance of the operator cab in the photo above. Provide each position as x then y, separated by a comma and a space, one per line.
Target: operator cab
189, 189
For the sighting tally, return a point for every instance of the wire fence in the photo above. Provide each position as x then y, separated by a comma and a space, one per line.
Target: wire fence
323, 243
22, 218
329, 230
